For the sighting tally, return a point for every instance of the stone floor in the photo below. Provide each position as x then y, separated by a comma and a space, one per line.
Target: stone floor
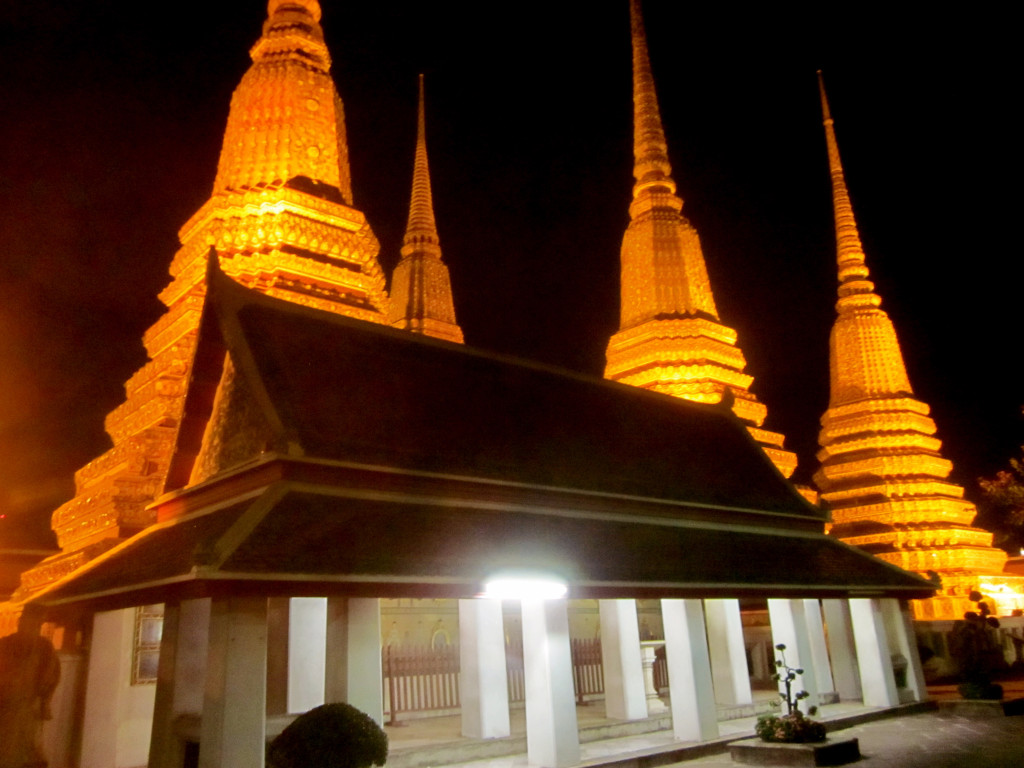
926, 740
914, 739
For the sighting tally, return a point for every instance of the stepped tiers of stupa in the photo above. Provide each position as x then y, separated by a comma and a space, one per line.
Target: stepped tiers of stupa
280, 220
882, 475
670, 338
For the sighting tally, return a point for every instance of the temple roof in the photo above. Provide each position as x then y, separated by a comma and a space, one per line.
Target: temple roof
350, 391
399, 465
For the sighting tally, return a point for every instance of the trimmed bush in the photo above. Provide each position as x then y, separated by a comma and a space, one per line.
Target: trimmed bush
330, 736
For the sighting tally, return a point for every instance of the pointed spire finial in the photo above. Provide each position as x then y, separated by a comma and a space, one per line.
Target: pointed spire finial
421, 291
824, 99
421, 231
855, 290
650, 150
670, 338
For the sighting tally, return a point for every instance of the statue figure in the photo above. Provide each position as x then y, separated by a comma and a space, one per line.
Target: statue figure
29, 673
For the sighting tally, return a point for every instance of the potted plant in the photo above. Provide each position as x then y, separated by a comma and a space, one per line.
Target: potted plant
975, 649
793, 727
330, 736
792, 738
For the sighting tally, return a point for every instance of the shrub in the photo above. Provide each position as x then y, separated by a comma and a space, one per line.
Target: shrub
330, 736
974, 646
794, 728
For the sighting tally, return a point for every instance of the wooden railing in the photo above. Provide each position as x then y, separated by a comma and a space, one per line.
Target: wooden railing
516, 671
425, 679
420, 679
587, 668
660, 673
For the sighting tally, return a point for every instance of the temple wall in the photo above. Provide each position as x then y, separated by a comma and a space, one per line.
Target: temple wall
118, 715
436, 622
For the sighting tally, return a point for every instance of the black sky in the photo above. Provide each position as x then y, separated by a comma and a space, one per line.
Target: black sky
113, 113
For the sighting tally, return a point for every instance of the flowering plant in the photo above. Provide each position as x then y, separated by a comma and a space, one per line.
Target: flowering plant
794, 726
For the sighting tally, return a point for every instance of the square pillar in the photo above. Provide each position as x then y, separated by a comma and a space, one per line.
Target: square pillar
234, 723
842, 649
181, 677
692, 693
903, 641
118, 716
165, 749
552, 737
483, 680
819, 652
789, 628
625, 697
277, 655
307, 646
62, 734
354, 671
728, 653
873, 654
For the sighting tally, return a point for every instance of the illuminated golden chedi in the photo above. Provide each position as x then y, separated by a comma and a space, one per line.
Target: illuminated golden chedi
882, 473
670, 338
421, 291
280, 220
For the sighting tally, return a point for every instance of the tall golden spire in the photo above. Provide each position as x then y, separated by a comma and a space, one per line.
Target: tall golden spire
882, 474
421, 293
287, 121
279, 220
670, 338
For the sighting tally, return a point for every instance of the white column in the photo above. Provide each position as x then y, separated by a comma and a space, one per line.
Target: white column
873, 654
624, 695
118, 716
180, 677
278, 611
190, 668
552, 738
728, 653
648, 658
689, 671
166, 750
901, 629
233, 731
483, 680
307, 643
354, 673
843, 650
65, 706
819, 651
789, 628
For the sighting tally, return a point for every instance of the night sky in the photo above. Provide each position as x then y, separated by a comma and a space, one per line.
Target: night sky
113, 114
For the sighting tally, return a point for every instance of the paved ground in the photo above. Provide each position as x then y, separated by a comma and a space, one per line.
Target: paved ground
926, 741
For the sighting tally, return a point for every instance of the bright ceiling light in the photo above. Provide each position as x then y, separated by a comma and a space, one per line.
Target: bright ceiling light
525, 588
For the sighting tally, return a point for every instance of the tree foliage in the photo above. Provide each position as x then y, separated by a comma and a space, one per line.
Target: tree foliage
1002, 506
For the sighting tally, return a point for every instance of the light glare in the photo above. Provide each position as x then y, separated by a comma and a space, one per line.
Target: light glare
525, 588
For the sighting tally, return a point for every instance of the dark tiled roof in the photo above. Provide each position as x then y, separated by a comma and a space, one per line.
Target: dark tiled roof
315, 543
418, 466
358, 392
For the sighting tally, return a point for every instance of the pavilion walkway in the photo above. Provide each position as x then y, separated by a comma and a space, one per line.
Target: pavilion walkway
603, 742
